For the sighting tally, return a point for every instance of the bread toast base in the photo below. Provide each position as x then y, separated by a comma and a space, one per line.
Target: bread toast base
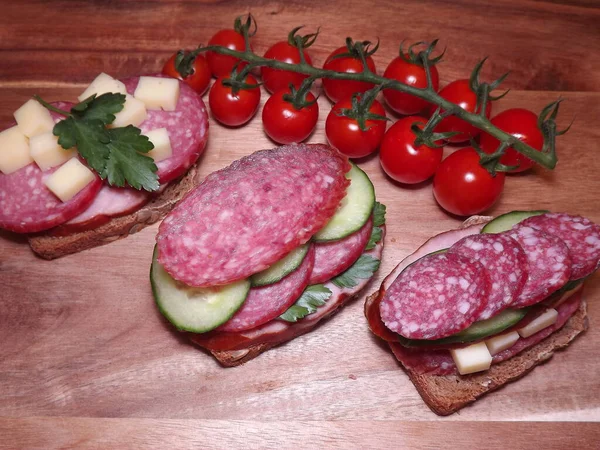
447, 394
50, 247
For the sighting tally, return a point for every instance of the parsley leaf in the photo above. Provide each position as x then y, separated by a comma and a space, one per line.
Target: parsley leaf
312, 297
362, 269
115, 153
378, 214
376, 234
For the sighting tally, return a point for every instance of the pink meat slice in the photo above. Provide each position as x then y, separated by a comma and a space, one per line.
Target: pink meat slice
581, 236
435, 297
247, 216
28, 206
266, 303
440, 362
187, 127
112, 202
505, 262
332, 258
549, 264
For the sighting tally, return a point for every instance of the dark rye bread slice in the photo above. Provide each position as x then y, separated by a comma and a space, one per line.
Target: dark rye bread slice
50, 247
449, 393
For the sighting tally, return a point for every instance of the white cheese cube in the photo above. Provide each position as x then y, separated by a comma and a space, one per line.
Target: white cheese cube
567, 295
33, 119
133, 113
162, 144
501, 342
47, 153
542, 321
14, 150
102, 84
473, 358
69, 179
158, 93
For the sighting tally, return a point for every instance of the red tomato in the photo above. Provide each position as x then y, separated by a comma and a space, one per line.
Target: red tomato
462, 187
413, 75
284, 123
199, 78
401, 160
275, 79
522, 124
233, 110
345, 135
460, 92
221, 65
339, 89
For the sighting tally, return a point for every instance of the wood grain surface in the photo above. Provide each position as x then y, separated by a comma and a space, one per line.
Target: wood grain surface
86, 360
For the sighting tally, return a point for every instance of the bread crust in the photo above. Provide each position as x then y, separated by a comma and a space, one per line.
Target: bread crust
48, 246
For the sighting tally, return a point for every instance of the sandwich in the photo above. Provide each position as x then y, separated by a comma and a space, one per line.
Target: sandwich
480, 306
266, 248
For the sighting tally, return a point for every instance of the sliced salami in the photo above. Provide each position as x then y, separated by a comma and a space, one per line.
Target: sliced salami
505, 262
187, 127
435, 297
332, 258
268, 302
245, 217
581, 236
549, 264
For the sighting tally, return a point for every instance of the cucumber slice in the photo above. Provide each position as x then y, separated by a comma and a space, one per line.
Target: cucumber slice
475, 332
281, 268
354, 211
195, 309
506, 221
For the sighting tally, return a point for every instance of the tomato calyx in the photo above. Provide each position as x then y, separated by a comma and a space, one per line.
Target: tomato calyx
298, 97
482, 90
248, 27
361, 106
237, 80
427, 136
547, 125
491, 161
358, 50
302, 42
418, 58
184, 62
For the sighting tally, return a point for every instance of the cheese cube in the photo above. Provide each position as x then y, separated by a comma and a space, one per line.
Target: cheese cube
33, 119
69, 179
46, 151
542, 321
102, 84
133, 113
158, 93
473, 358
162, 144
501, 342
14, 150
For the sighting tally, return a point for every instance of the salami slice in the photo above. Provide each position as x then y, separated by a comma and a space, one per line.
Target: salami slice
187, 127
245, 217
435, 297
332, 258
268, 302
549, 264
505, 262
581, 236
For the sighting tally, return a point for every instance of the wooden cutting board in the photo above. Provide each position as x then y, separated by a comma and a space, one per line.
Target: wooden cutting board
86, 361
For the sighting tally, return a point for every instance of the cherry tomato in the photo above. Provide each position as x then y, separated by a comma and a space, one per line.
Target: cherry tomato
462, 187
275, 79
460, 92
284, 123
233, 109
199, 78
221, 65
522, 124
413, 75
339, 89
345, 135
401, 160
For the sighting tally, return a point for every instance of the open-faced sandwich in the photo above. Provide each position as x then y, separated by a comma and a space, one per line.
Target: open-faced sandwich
477, 307
76, 176
266, 248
